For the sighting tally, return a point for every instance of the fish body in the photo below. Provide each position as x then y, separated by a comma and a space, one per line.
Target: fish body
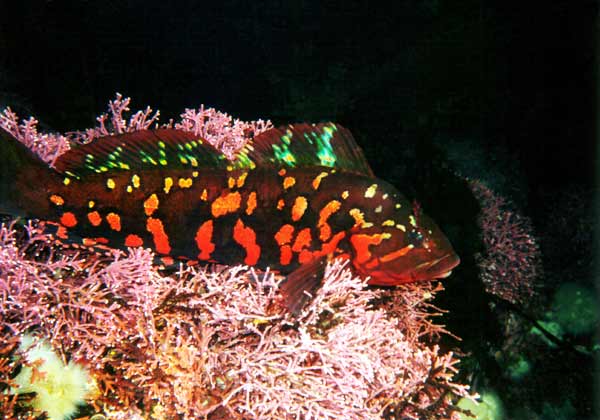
293, 196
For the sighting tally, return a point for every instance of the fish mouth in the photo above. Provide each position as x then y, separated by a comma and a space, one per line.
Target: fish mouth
439, 268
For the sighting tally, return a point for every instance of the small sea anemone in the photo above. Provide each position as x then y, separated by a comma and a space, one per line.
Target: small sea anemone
58, 388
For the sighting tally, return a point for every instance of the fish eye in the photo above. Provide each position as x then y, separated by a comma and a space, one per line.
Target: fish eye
415, 238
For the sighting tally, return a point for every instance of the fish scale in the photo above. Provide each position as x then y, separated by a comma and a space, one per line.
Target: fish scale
293, 198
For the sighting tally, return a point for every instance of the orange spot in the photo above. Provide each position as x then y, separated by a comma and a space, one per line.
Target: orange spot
101, 240
68, 219
328, 248
299, 207
288, 182
204, 195
161, 240
280, 204
203, 240
94, 218
241, 179
227, 203
231, 182
114, 220
88, 241
246, 237
324, 214
286, 255
133, 240
281, 172
150, 205
303, 240
57, 199
361, 243
251, 203
317, 181
396, 254
284, 234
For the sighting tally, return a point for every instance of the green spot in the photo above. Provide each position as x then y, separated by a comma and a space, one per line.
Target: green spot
283, 155
161, 144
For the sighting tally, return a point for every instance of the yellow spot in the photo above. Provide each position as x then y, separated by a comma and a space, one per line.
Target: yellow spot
136, 181
66, 181
57, 199
384, 196
378, 209
230, 182
129, 189
91, 204
151, 204
241, 179
110, 183
185, 182
317, 181
370, 193
124, 166
388, 223
345, 194
359, 218
412, 220
288, 182
195, 174
401, 227
398, 205
168, 184
204, 195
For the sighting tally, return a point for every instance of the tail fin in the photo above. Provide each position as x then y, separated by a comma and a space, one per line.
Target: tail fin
22, 177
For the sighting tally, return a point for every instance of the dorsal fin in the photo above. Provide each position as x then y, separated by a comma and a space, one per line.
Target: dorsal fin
144, 149
302, 145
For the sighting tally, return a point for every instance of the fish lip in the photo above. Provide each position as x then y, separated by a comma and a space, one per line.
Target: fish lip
441, 267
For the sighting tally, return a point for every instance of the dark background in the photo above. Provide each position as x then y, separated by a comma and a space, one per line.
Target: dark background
504, 91
519, 74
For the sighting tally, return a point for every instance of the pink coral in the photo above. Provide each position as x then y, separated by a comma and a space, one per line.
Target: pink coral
511, 261
218, 343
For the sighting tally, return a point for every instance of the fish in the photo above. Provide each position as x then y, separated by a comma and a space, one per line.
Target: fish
293, 198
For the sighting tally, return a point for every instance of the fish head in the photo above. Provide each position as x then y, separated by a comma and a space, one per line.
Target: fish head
403, 245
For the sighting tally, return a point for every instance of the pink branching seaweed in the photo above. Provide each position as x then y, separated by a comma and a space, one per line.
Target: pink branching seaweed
47, 146
511, 261
217, 342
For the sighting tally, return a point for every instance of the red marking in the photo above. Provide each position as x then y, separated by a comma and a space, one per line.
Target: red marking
324, 214
281, 172
167, 260
68, 219
161, 240
227, 203
251, 203
286, 255
328, 248
303, 240
114, 221
284, 234
361, 243
246, 237
62, 232
133, 241
203, 240
101, 240
299, 207
94, 218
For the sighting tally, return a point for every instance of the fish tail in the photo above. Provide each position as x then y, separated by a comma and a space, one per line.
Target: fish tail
23, 177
